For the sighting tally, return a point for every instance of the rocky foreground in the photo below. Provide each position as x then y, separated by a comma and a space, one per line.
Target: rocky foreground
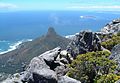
49, 67
52, 66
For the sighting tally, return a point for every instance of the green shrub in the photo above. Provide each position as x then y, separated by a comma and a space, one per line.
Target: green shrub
118, 34
110, 43
107, 78
87, 67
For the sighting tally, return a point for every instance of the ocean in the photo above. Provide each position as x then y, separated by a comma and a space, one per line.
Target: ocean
21, 26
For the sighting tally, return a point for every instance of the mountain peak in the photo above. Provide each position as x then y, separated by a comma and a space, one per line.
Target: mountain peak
51, 31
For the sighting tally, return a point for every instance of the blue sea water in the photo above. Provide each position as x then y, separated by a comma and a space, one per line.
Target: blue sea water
19, 25
6, 46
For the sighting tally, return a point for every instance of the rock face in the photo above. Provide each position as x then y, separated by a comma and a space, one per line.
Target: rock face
117, 81
66, 79
112, 27
13, 60
85, 41
116, 54
46, 68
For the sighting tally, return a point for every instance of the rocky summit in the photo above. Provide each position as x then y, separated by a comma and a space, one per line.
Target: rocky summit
112, 27
48, 67
14, 60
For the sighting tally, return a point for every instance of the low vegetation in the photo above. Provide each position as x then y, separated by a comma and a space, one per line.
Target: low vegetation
111, 42
94, 67
107, 78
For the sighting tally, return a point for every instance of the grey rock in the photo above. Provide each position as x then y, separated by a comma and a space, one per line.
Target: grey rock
61, 70
44, 76
116, 54
112, 27
51, 55
39, 71
117, 81
64, 60
85, 41
16, 78
66, 79
38, 67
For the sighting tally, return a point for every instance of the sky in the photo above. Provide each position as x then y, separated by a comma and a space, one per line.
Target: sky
16, 5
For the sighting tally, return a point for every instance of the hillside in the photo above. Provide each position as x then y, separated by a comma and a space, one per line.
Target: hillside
13, 60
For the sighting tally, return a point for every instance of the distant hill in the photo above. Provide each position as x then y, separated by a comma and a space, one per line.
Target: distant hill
12, 61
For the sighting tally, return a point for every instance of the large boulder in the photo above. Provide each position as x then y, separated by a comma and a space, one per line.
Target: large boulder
116, 54
44, 76
38, 69
83, 42
51, 55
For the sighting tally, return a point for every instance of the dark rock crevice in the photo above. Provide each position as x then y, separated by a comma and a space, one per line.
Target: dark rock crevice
51, 64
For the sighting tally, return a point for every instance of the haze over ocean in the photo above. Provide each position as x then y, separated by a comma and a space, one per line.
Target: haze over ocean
19, 25
28, 24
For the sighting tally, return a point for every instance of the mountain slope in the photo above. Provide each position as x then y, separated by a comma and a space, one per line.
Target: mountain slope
112, 27
25, 52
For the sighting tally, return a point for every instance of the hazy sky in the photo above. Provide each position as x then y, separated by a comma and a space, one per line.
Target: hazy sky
60, 5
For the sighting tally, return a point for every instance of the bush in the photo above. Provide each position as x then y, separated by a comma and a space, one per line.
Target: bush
89, 66
110, 43
118, 34
107, 78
